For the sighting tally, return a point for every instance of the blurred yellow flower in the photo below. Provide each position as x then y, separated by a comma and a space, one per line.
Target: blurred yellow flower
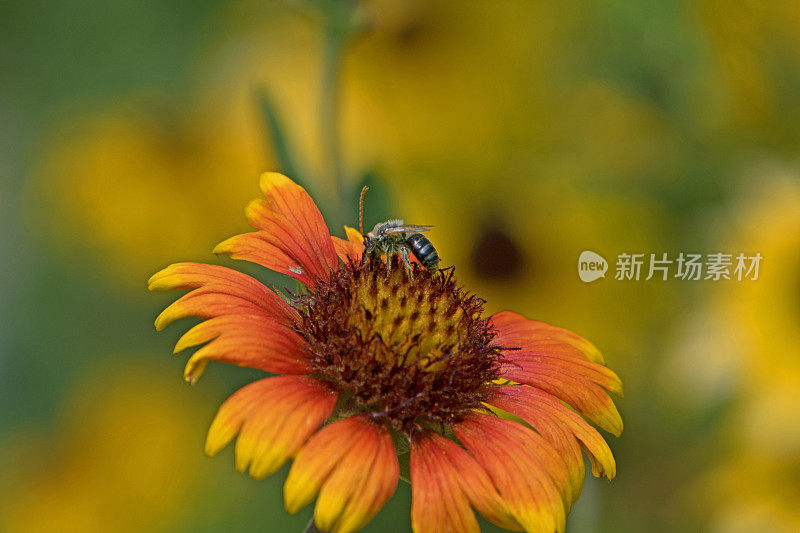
753, 487
118, 184
116, 461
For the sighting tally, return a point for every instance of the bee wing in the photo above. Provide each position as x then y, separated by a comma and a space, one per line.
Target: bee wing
410, 228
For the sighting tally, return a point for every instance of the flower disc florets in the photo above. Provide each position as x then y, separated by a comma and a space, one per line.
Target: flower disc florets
409, 348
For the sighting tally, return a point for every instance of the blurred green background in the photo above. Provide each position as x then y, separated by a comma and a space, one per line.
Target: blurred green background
132, 135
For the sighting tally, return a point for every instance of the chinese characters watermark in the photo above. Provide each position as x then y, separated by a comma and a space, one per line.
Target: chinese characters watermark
684, 266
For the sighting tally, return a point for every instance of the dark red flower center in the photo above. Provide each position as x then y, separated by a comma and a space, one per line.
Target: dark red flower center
410, 349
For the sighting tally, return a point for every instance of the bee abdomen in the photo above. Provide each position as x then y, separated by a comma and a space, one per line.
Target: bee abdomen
423, 250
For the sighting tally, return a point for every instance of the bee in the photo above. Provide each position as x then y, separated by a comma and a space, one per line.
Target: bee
394, 237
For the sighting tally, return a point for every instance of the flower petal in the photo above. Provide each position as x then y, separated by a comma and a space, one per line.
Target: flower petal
567, 431
526, 470
245, 340
587, 397
318, 458
292, 238
353, 466
217, 291
352, 248
569, 364
438, 505
445, 480
515, 330
257, 247
376, 491
273, 417
561, 363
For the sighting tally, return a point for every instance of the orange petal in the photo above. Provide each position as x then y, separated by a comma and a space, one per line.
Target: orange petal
207, 302
194, 275
245, 340
257, 247
352, 465
352, 248
273, 417
382, 479
445, 480
561, 363
217, 291
526, 470
318, 458
568, 364
438, 505
292, 238
561, 426
517, 331
588, 398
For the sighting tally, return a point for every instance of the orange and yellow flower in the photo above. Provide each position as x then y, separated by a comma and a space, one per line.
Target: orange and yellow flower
374, 359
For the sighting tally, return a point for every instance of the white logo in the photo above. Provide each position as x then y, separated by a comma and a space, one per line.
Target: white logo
591, 266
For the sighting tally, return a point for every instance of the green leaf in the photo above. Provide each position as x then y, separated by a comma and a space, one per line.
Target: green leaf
280, 142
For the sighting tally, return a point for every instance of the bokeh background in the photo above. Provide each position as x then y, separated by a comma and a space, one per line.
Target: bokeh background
132, 135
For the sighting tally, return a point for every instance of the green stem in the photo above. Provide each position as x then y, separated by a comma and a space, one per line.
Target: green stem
334, 44
311, 527
329, 99
341, 23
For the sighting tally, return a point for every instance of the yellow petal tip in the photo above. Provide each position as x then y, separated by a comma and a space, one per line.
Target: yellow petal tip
272, 179
295, 495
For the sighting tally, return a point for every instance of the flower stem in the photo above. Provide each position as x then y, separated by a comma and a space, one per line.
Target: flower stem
342, 21
311, 527
329, 114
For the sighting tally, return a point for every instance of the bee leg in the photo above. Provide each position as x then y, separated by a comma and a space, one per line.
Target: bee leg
404, 255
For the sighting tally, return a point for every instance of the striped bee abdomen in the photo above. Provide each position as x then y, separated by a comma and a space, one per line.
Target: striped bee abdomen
423, 250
